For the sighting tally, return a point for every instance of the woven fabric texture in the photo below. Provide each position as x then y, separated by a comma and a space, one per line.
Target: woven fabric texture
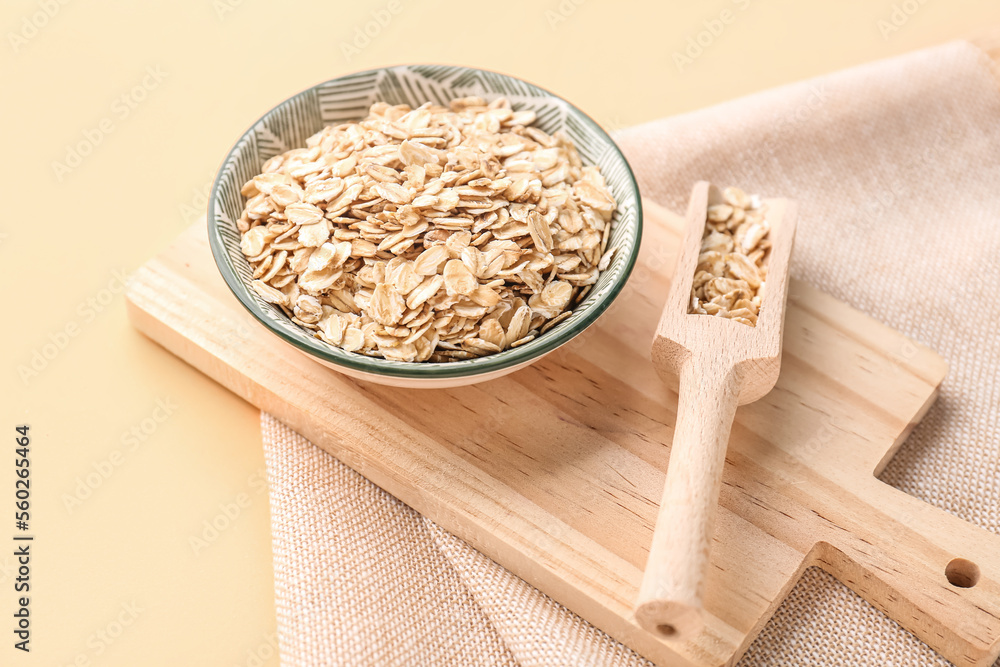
896, 166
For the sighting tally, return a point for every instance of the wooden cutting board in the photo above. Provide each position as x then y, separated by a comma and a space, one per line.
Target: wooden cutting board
555, 472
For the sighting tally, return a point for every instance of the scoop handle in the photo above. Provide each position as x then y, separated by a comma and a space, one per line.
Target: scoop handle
670, 598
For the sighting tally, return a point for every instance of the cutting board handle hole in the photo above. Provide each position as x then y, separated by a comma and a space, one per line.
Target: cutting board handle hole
962, 573
666, 630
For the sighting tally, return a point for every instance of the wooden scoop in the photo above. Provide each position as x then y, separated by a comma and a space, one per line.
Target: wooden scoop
720, 364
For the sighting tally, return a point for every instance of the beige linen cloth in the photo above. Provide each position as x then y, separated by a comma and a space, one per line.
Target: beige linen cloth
896, 166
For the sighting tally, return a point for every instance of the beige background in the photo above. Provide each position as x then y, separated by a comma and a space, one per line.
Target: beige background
66, 231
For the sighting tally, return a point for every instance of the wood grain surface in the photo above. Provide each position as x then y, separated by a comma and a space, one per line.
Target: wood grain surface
719, 364
556, 471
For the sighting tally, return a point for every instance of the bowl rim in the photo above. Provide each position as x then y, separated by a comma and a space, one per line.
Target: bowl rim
492, 363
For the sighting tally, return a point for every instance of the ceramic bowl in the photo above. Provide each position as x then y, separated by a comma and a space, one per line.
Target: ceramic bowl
346, 99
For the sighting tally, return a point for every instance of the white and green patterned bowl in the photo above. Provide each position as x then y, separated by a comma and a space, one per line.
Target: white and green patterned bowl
347, 98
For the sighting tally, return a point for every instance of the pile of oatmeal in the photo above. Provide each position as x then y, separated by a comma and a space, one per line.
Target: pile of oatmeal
428, 234
731, 275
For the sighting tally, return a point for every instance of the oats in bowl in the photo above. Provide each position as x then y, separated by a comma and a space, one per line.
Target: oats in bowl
428, 234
